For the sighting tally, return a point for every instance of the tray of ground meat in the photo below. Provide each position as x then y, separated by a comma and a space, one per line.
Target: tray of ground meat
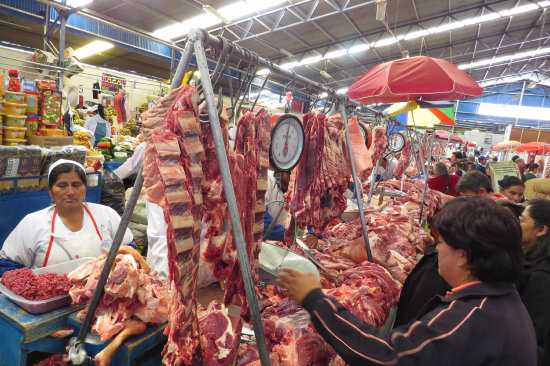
39, 290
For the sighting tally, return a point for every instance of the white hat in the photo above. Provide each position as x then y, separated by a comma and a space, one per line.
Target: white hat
92, 108
63, 161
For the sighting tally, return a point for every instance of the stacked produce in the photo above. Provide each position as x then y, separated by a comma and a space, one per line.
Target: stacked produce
77, 119
130, 128
143, 108
82, 138
107, 148
110, 114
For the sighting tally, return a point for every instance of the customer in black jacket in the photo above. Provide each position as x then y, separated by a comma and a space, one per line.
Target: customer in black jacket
534, 284
481, 321
424, 281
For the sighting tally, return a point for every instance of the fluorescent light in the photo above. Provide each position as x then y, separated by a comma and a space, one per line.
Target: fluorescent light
202, 21
482, 19
359, 48
310, 60
385, 42
543, 4
263, 72
76, 3
334, 54
171, 31
236, 10
92, 49
341, 90
323, 95
180, 29
505, 58
259, 5
416, 34
518, 10
446, 27
289, 65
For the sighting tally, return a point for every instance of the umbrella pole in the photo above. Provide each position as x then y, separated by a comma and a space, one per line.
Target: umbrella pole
418, 165
423, 165
425, 183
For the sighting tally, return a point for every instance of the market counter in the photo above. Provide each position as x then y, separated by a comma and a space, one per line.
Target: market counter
21, 332
143, 349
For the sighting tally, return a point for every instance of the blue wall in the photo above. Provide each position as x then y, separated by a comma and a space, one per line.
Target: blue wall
506, 94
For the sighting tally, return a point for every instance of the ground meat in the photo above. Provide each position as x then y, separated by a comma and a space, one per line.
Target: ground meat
25, 283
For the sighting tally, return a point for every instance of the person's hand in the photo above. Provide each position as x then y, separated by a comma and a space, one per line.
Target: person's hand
297, 284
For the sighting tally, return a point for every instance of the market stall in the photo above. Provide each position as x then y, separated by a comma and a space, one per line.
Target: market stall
177, 125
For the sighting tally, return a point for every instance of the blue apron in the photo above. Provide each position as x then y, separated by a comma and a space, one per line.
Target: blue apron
100, 132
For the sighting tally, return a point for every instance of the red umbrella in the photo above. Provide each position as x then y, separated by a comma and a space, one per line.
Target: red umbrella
411, 78
447, 136
538, 148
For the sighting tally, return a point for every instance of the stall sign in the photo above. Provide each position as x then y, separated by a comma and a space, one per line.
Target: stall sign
112, 83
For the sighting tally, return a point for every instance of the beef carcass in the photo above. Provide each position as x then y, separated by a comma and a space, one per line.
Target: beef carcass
379, 144
316, 190
367, 290
220, 335
183, 235
361, 155
248, 166
248, 355
250, 162
127, 293
404, 160
153, 120
394, 237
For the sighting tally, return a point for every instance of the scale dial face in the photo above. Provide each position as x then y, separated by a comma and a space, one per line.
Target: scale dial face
396, 141
287, 143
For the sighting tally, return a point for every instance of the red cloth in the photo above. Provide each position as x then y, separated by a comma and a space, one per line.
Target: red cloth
440, 184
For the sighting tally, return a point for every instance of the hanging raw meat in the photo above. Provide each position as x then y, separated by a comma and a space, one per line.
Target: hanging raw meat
316, 189
132, 293
404, 160
380, 142
361, 155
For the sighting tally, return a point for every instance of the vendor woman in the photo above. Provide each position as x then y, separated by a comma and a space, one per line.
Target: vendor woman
97, 124
67, 230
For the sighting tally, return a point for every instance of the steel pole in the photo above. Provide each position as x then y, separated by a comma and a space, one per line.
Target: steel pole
231, 202
62, 28
357, 183
183, 64
100, 287
425, 183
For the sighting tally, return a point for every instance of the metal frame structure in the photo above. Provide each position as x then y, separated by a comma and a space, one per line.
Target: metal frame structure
288, 18
198, 40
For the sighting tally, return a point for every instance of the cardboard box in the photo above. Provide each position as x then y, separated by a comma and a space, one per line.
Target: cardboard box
49, 141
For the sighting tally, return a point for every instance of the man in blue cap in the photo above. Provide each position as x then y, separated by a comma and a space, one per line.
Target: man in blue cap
482, 161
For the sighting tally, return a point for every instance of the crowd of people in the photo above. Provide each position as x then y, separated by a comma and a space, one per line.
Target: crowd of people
485, 279
478, 296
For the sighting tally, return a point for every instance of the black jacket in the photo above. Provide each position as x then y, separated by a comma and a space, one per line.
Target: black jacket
423, 283
483, 324
534, 289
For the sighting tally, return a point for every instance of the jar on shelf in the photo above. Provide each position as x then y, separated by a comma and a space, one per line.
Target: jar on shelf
14, 82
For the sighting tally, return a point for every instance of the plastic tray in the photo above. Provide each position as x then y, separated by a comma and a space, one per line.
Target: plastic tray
42, 306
